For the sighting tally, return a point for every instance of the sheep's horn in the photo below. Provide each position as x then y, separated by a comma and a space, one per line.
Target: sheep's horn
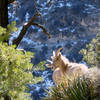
58, 51
49, 61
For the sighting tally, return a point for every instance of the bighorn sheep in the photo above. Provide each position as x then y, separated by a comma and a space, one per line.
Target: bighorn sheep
62, 67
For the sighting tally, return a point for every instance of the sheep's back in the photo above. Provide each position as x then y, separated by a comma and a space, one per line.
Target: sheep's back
75, 68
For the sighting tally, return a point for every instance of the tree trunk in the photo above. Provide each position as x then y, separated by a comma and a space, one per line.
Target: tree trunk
6, 97
4, 13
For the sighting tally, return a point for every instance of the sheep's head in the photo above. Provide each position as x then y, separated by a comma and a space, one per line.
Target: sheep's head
56, 59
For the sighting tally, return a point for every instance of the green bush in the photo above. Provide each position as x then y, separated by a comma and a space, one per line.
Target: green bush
15, 68
89, 54
77, 89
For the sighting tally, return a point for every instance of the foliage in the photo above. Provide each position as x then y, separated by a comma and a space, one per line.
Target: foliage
12, 27
15, 68
40, 66
5, 33
92, 52
77, 89
89, 54
98, 50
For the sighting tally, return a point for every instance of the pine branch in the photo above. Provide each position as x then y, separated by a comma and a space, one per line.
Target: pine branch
26, 26
11, 1
43, 28
49, 2
24, 29
35, 4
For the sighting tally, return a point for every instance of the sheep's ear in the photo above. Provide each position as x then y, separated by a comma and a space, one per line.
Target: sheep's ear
49, 61
58, 53
54, 54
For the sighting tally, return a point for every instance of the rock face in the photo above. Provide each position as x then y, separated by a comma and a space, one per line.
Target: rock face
72, 24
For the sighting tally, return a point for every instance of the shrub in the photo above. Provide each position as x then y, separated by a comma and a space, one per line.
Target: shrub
77, 89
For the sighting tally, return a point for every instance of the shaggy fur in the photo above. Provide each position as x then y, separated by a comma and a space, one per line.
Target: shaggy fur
63, 67
94, 75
